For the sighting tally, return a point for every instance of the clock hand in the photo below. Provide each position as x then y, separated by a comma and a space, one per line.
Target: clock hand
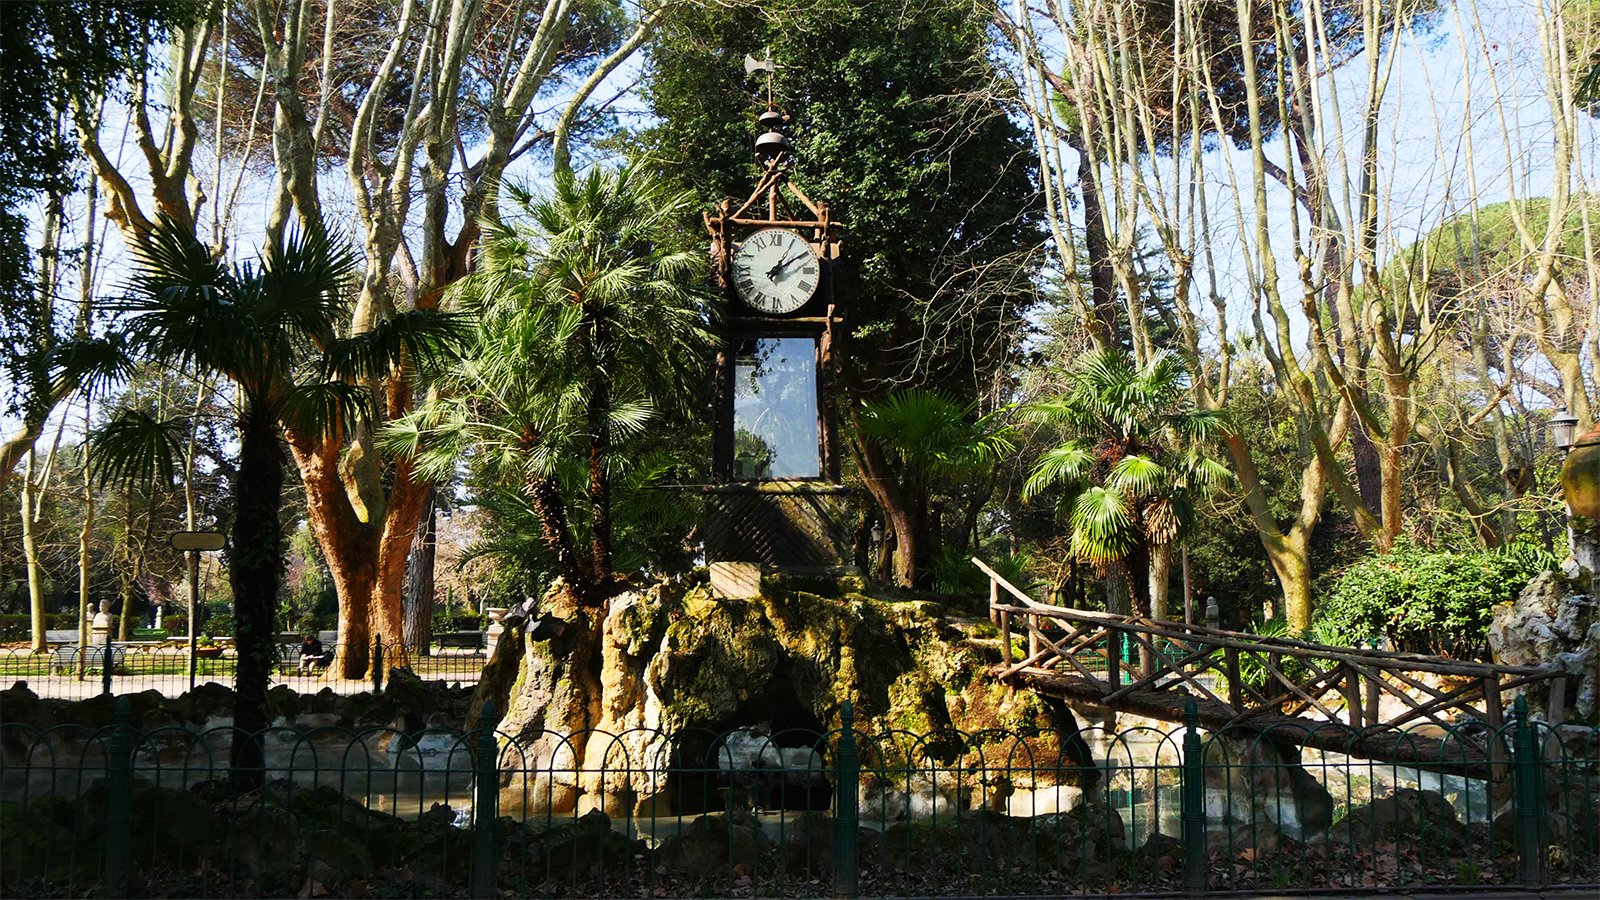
772, 273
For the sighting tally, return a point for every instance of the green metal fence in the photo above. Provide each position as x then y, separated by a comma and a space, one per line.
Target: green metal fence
166, 666
148, 811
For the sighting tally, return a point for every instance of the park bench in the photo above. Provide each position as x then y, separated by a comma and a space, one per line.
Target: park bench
465, 640
289, 661
65, 659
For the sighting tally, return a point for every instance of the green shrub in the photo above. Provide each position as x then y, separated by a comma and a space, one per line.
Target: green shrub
19, 626
456, 621
1428, 602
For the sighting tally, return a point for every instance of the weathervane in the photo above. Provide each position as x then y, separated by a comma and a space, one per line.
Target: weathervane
753, 65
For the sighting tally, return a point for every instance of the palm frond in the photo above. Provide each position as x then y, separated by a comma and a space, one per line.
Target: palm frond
95, 364
302, 283
135, 448
1103, 527
1138, 475
428, 338
322, 407
1065, 465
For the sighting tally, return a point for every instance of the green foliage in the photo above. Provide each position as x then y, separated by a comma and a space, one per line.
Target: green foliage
54, 53
932, 435
16, 627
954, 573
444, 622
591, 324
1134, 461
1428, 601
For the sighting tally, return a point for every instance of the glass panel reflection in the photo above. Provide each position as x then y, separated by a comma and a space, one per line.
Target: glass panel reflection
775, 409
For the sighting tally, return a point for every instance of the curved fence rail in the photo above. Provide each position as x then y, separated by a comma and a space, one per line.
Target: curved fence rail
130, 811
167, 667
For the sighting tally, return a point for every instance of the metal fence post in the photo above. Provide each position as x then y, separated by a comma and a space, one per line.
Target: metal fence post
377, 664
486, 807
1527, 799
846, 808
119, 801
107, 658
1192, 794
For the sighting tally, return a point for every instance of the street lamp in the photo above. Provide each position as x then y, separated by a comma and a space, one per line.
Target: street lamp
1562, 425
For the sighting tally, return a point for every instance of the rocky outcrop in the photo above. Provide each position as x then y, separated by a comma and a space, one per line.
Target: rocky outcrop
1552, 622
625, 705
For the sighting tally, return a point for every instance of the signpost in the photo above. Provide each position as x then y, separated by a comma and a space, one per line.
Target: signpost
194, 543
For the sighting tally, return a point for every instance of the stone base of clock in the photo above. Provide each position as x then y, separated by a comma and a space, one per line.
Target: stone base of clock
792, 526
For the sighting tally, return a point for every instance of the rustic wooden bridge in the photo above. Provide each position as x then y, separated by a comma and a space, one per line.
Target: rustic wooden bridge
1293, 691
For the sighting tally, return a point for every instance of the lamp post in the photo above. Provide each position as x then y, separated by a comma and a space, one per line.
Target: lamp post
1577, 485
1562, 427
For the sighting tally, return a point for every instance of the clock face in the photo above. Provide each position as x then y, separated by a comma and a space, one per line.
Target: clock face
775, 271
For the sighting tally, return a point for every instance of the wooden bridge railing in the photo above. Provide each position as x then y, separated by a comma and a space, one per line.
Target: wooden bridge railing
1080, 652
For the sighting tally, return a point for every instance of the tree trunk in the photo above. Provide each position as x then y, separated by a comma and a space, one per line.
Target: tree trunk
898, 508
30, 551
1138, 566
1291, 561
84, 536
353, 581
1097, 246
255, 568
1369, 468
1116, 585
546, 495
420, 582
1160, 578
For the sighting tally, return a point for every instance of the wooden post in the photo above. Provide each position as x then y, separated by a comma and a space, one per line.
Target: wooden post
1033, 635
1497, 721
1372, 698
1005, 637
1557, 713
1558, 700
1235, 686
994, 601
1352, 695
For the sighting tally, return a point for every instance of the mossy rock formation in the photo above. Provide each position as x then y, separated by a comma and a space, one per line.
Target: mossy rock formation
622, 705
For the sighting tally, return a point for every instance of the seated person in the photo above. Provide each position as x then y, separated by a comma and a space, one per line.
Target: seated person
312, 655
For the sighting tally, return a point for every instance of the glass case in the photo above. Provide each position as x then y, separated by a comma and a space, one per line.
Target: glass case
775, 421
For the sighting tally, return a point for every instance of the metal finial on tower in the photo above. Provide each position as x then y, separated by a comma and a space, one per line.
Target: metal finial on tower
772, 145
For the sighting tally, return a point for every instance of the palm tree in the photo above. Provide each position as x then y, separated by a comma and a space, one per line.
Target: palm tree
1132, 467
592, 321
270, 328
925, 435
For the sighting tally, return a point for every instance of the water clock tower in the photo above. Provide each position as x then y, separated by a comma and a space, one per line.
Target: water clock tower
777, 504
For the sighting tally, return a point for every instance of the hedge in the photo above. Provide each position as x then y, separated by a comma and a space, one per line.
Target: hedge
19, 626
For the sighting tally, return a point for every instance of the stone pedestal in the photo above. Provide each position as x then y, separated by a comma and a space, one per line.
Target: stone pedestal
497, 627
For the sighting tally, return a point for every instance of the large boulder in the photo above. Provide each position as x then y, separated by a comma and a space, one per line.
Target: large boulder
1407, 816
1552, 622
714, 846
